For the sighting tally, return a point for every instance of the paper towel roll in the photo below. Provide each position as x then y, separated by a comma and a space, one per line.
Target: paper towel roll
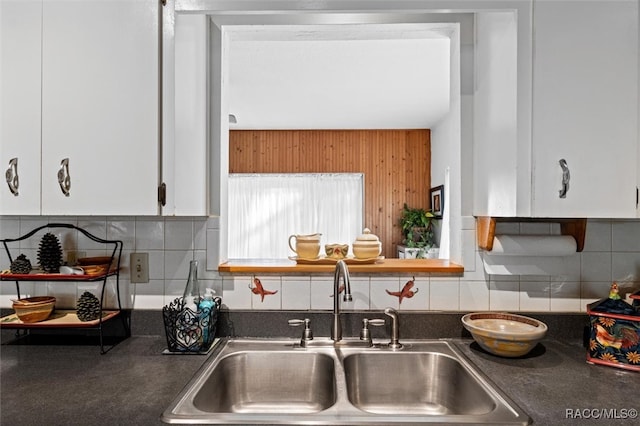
533, 245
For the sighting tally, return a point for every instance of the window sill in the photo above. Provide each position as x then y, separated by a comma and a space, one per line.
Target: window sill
285, 266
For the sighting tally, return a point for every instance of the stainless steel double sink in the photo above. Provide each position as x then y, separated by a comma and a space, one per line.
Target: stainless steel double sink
247, 381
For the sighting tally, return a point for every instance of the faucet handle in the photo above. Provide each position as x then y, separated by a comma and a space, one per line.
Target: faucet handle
307, 334
395, 328
365, 334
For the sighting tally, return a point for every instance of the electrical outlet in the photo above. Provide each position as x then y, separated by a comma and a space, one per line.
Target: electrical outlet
139, 267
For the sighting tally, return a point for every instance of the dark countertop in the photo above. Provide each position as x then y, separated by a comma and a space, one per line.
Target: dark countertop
45, 382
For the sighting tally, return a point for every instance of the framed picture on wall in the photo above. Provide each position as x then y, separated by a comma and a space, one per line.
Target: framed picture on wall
437, 200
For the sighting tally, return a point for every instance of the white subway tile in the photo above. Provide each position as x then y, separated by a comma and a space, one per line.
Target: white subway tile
151, 301
95, 226
236, 293
296, 293
474, 296
535, 295
123, 230
624, 267
360, 293
595, 266
469, 249
504, 295
444, 294
213, 249
565, 296
625, 236
176, 264
593, 291
380, 288
478, 274
178, 234
321, 293
200, 234
598, 236
9, 228
149, 234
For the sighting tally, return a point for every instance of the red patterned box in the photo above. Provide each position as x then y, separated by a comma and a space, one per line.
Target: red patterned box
614, 338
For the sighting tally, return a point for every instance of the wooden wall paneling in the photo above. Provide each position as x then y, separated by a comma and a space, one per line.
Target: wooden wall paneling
395, 163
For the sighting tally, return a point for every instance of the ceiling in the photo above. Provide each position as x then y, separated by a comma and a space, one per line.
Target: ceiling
373, 76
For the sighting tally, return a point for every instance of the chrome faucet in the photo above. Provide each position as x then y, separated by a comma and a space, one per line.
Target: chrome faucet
336, 326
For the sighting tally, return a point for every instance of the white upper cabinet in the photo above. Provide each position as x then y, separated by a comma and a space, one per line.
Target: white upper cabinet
100, 106
585, 108
80, 106
20, 91
567, 93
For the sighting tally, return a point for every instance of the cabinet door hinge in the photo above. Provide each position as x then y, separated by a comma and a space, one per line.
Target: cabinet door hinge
162, 194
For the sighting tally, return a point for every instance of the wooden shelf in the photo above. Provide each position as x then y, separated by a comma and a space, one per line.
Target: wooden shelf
58, 319
286, 266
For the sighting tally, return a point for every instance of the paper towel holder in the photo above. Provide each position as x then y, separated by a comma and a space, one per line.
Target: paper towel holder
486, 228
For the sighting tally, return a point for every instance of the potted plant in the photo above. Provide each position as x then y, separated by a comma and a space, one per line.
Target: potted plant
416, 229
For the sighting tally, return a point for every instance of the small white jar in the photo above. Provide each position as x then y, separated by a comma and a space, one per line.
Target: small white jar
367, 245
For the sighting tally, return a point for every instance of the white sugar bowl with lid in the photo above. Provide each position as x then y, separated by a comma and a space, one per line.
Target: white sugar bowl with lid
367, 245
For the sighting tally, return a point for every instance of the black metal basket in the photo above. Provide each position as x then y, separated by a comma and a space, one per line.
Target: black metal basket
189, 331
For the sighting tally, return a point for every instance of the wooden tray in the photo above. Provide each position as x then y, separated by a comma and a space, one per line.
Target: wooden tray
332, 261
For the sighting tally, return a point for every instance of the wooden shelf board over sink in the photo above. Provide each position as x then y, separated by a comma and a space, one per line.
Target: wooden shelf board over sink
486, 228
286, 266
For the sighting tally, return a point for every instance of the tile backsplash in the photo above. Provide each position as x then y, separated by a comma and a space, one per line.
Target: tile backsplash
612, 252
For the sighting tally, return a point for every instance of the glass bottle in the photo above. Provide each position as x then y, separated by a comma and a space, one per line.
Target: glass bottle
192, 294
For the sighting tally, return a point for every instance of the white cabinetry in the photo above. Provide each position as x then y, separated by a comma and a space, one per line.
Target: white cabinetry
20, 65
99, 75
576, 99
585, 107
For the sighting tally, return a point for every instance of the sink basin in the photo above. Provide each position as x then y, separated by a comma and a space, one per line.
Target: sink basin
267, 382
252, 381
418, 383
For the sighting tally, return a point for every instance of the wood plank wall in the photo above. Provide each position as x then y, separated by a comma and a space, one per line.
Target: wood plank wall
396, 166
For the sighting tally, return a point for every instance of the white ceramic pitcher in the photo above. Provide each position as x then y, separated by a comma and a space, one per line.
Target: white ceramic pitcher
306, 246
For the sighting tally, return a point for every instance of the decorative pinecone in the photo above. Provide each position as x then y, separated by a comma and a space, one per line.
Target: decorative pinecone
21, 265
50, 253
88, 307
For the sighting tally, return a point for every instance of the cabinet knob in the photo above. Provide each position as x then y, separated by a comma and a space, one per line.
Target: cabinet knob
64, 179
12, 176
565, 178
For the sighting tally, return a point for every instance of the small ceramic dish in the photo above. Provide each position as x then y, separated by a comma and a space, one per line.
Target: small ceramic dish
336, 251
504, 334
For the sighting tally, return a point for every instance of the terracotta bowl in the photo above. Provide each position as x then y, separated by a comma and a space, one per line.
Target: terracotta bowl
34, 309
504, 334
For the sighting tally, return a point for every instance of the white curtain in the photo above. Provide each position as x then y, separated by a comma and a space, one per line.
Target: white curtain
265, 209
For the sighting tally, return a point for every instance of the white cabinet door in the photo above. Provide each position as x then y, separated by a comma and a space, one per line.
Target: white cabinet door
100, 106
20, 37
585, 107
